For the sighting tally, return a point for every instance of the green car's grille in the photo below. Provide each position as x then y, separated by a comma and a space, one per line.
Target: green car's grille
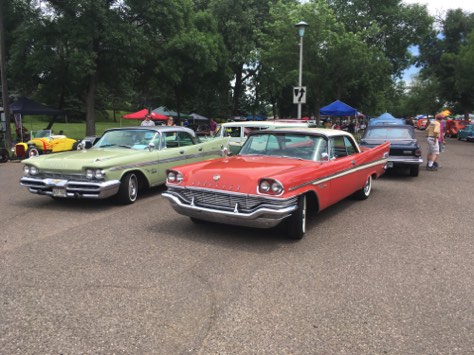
75, 177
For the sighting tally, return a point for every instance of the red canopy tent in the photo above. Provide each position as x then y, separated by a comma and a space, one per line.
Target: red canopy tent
140, 115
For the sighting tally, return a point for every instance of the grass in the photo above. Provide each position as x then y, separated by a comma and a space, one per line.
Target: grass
73, 130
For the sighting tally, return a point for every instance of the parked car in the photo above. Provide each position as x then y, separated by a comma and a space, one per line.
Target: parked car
120, 163
277, 176
238, 131
44, 142
405, 150
454, 126
467, 133
422, 123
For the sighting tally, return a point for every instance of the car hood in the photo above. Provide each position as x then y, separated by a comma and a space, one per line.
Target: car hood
242, 173
76, 160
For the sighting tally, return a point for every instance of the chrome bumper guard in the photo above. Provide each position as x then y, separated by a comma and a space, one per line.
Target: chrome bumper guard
260, 218
70, 188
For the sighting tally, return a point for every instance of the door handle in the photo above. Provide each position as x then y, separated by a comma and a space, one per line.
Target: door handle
353, 162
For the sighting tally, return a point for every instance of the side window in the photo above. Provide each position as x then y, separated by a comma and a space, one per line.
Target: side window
350, 147
171, 139
338, 147
232, 132
184, 139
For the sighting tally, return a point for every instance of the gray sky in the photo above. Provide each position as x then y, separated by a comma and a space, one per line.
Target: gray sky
440, 6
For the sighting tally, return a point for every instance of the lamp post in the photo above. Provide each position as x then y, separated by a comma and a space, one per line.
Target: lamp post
301, 27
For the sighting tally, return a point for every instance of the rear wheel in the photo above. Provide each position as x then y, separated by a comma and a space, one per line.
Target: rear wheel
364, 193
414, 170
128, 190
297, 221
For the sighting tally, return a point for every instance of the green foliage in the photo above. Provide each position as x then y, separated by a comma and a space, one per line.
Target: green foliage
231, 57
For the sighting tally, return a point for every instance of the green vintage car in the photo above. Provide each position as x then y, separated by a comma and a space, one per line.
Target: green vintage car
120, 163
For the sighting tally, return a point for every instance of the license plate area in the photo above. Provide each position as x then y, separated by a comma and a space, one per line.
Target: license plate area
390, 164
59, 192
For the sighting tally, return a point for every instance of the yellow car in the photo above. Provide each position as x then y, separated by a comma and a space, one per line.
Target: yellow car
44, 142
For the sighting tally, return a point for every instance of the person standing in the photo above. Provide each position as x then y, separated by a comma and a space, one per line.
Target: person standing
212, 127
147, 121
433, 132
170, 121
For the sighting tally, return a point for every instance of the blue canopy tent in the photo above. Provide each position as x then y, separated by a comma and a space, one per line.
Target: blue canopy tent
386, 118
338, 108
256, 118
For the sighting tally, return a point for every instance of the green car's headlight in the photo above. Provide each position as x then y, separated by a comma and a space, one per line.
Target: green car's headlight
30, 170
95, 174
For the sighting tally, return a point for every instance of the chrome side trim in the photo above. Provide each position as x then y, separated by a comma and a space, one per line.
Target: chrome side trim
340, 174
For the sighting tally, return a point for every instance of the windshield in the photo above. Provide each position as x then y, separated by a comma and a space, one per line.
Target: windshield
44, 133
388, 133
129, 138
289, 145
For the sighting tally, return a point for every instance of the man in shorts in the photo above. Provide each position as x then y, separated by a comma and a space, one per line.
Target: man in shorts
433, 133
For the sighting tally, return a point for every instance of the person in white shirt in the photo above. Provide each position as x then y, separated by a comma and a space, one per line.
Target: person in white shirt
147, 121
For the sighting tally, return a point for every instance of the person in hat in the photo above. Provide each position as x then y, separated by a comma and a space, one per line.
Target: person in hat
147, 121
433, 133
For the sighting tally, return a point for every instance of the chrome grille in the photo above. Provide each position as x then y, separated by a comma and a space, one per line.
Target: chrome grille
227, 201
75, 177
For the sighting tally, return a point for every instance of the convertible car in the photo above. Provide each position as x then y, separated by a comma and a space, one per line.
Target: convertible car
120, 162
277, 176
43, 142
405, 150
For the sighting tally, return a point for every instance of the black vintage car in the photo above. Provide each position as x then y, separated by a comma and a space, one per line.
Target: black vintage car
404, 148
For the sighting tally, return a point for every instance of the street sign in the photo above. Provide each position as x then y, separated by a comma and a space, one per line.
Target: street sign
299, 94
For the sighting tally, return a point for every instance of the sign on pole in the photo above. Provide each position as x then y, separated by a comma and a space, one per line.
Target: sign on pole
299, 94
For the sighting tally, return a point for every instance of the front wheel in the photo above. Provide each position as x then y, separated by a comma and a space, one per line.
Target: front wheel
297, 221
128, 190
364, 193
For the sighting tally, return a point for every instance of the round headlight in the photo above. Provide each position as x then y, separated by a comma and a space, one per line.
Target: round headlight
89, 173
33, 170
179, 177
265, 186
171, 176
99, 174
26, 169
277, 188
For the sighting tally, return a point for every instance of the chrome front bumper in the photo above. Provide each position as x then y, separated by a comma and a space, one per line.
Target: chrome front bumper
70, 188
259, 218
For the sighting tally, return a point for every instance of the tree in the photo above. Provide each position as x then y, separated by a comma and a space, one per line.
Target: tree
446, 58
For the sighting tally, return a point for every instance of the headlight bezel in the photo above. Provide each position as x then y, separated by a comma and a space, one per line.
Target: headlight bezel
30, 170
174, 177
95, 174
268, 186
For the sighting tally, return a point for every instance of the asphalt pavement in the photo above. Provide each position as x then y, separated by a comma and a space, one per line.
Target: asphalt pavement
389, 275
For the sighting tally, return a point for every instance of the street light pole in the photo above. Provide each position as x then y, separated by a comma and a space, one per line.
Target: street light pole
301, 27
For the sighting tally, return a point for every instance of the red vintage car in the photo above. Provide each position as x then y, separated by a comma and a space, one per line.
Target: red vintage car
278, 175
454, 126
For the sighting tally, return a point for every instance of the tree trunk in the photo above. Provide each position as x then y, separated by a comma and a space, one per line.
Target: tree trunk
90, 105
237, 90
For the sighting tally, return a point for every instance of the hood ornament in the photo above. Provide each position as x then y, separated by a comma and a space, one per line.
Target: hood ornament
216, 177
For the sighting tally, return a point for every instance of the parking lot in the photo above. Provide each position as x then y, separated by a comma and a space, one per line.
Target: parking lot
392, 274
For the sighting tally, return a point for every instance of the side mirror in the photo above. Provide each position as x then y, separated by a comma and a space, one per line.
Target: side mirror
324, 156
151, 147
